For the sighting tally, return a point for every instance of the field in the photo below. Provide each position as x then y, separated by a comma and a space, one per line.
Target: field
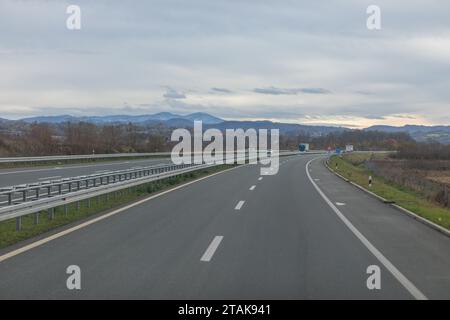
420, 199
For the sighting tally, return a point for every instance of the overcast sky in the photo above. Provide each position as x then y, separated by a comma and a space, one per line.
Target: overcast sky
311, 62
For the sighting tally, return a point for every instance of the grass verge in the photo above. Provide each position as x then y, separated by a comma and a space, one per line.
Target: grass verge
92, 206
401, 195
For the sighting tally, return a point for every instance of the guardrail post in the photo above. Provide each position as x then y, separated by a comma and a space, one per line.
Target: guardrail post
24, 196
9, 199
51, 213
88, 203
36, 218
65, 210
18, 223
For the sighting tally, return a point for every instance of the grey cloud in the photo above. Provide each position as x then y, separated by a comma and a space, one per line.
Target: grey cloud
173, 94
290, 91
221, 90
364, 93
402, 116
315, 90
275, 91
374, 117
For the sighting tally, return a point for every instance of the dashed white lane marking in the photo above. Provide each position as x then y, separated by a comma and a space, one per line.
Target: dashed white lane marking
239, 205
316, 179
408, 285
252, 188
47, 178
211, 249
340, 204
260, 178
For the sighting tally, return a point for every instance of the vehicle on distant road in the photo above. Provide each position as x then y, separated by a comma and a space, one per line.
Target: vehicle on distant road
303, 147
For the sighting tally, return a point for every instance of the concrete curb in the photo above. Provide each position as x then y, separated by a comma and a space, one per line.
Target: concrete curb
392, 204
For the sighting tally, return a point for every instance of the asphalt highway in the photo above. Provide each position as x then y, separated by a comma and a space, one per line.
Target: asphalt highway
16, 176
300, 234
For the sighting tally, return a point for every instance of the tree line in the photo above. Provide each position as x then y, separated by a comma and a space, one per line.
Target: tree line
86, 138
81, 138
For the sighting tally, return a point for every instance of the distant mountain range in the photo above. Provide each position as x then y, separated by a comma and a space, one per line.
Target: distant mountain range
141, 119
171, 120
175, 120
285, 128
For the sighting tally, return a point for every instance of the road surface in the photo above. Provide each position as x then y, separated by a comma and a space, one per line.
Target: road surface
15, 176
237, 235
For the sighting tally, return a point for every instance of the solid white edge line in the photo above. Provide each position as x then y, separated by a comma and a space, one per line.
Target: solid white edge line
211, 249
48, 178
239, 205
405, 282
104, 216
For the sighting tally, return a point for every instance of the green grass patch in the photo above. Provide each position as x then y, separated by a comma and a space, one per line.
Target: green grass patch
92, 206
401, 195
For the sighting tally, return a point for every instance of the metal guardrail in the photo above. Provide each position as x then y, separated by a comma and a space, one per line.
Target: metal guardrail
17, 201
63, 199
18, 194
